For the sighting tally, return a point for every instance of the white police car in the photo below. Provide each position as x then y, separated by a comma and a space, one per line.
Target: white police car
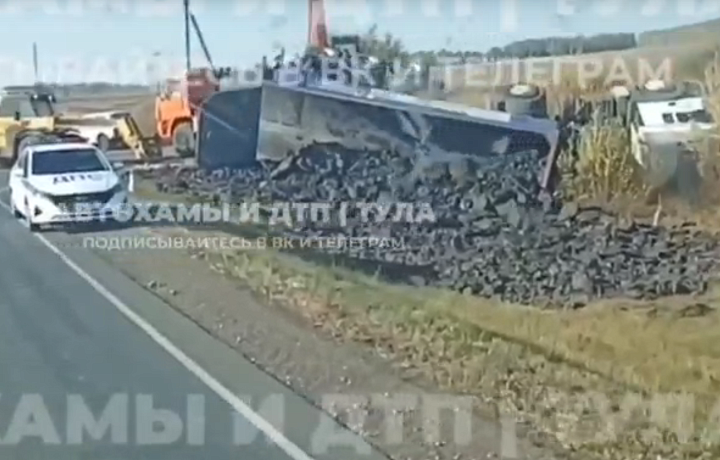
62, 183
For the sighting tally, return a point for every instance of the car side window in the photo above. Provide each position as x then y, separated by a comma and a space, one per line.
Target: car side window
8, 107
20, 161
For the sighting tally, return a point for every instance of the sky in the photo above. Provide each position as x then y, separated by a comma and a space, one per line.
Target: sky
118, 40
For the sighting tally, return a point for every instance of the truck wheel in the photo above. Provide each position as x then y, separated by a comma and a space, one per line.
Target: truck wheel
184, 140
103, 142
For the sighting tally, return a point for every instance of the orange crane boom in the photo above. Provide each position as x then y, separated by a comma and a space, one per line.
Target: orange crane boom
317, 25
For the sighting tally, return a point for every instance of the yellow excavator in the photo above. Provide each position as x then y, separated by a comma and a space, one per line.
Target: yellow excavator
24, 113
28, 110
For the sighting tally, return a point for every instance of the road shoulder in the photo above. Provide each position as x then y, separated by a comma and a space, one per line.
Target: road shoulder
324, 369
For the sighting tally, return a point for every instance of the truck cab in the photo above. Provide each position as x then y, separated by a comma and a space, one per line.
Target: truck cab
347, 43
667, 120
669, 127
176, 105
32, 106
26, 111
23, 109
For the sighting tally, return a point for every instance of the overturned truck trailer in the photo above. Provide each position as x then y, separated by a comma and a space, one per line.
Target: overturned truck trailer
240, 127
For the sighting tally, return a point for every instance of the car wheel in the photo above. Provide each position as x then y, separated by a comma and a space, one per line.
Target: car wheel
103, 142
17, 214
32, 226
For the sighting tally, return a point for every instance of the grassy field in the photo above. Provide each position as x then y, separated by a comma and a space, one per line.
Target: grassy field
101, 103
693, 33
140, 105
577, 75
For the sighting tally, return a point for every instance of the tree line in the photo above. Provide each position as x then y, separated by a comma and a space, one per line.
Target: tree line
550, 46
389, 47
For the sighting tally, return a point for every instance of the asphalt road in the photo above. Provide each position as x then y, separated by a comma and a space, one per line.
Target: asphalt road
78, 337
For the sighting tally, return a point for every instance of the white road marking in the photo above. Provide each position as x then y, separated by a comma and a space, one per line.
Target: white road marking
290, 448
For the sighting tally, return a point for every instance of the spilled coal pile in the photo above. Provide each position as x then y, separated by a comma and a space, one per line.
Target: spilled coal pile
493, 232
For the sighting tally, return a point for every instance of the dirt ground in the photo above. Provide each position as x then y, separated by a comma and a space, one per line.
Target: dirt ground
140, 106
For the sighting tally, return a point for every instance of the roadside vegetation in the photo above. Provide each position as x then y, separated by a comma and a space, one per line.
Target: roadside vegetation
604, 168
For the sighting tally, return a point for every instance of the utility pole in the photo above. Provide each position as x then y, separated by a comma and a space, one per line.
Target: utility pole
186, 5
35, 63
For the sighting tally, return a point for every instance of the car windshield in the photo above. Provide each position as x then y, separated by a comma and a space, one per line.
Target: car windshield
698, 116
67, 161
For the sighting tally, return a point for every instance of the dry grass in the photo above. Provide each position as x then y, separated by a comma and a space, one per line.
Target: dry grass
708, 31
550, 368
141, 107
604, 169
670, 348
587, 72
99, 103
709, 147
712, 83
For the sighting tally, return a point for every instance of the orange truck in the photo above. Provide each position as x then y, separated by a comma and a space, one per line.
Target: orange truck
177, 105
179, 101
